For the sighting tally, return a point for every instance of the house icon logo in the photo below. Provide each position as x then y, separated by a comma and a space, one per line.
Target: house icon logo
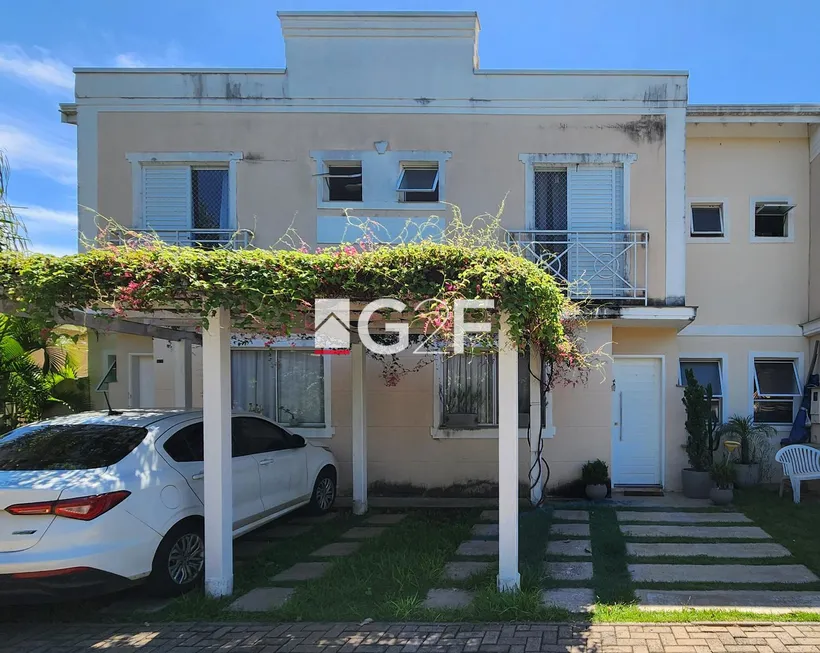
332, 326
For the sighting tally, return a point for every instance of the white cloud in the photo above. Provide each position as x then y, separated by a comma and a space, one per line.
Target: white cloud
46, 217
129, 60
27, 150
40, 70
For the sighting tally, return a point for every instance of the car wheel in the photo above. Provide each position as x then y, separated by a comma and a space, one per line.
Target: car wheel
179, 563
324, 492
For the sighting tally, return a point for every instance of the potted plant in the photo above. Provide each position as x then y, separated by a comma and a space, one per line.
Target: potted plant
722, 474
461, 406
702, 439
754, 447
594, 475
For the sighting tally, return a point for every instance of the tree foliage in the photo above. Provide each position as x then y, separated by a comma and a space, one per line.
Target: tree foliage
12, 230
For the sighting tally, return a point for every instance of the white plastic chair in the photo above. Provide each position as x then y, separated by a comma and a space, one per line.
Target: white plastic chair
800, 463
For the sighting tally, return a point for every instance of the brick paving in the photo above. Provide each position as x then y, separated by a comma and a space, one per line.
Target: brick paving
414, 638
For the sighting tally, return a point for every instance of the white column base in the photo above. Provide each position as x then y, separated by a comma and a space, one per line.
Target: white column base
509, 583
216, 587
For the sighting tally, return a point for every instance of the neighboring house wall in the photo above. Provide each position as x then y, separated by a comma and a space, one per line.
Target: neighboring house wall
814, 211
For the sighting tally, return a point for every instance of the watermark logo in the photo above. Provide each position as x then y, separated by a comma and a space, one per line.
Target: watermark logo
333, 326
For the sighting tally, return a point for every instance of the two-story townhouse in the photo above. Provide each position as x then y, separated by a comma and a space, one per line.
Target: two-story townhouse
653, 210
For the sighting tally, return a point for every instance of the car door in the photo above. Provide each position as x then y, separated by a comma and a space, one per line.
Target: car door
185, 450
281, 458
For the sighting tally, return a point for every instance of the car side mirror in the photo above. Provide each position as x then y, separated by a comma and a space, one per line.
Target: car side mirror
299, 441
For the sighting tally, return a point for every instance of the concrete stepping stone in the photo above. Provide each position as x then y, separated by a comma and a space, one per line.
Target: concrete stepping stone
489, 515
447, 599
710, 549
463, 570
572, 599
363, 532
781, 574
485, 530
386, 519
571, 515
579, 548
580, 530
244, 549
683, 517
569, 570
760, 601
262, 599
302, 571
337, 550
478, 548
694, 532
315, 519
279, 532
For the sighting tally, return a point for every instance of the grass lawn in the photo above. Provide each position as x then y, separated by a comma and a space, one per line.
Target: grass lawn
388, 578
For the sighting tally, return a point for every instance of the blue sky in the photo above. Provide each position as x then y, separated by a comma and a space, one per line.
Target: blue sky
737, 51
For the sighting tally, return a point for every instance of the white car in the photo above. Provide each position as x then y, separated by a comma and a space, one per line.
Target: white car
93, 502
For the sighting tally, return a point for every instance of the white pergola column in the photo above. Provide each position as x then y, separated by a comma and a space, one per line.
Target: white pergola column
183, 392
509, 580
536, 475
359, 424
216, 413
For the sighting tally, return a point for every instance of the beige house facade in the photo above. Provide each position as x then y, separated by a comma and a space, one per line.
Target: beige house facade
686, 230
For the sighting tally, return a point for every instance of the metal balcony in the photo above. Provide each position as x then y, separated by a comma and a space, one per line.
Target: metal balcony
202, 238
594, 265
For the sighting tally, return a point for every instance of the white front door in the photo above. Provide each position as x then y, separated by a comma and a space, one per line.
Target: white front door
636, 424
142, 381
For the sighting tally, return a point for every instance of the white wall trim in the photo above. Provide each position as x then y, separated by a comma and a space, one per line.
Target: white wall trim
723, 360
814, 142
676, 204
349, 229
380, 174
743, 330
137, 159
724, 202
789, 225
811, 328
662, 358
472, 434
87, 175
750, 387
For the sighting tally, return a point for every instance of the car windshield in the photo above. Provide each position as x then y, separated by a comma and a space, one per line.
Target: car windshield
67, 446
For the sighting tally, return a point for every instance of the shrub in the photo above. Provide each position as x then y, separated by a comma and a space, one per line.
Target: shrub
722, 473
702, 439
595, 472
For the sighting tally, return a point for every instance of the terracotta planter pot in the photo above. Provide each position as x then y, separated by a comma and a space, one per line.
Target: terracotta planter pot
596, 492
747, 475
721, 496
696, 485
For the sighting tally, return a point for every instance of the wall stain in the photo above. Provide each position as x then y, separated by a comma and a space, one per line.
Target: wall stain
423, 100
651, 129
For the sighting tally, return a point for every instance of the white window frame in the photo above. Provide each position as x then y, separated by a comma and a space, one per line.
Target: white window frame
379, 174
254, 343
794, 356
721, 360
438, 432
724, 216
404, 166
535, 162
790, 221
192, 160
325, 188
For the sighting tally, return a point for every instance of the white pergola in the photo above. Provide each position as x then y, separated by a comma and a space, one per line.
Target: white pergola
216, 409
216, 402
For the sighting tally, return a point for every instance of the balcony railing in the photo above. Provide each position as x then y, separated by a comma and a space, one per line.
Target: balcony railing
203, 238
593, 264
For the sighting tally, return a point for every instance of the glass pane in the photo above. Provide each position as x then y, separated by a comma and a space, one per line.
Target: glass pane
301, 384
469, 386
67, 446
344, 183
253, 436
774, 210
776, 378
524, 377
186, 445
771, 226
706, 220
419, 179
717, 409
209, 195
705, 372
774, 411
253, 382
